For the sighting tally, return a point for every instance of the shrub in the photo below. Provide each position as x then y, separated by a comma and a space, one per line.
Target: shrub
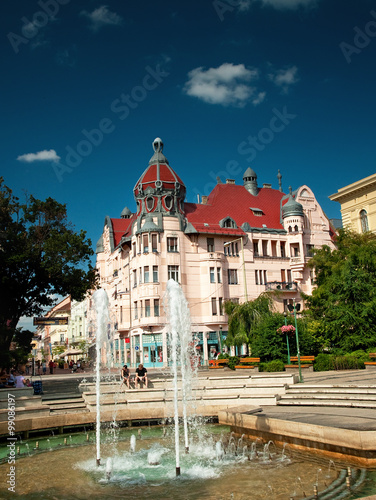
276, 365
233, 361
322, 362
223, 356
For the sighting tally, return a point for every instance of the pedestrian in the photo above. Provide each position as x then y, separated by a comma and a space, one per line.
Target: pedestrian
71, 365
44, 367
126, 376
20, 381
141, 376
51, 364
78, 365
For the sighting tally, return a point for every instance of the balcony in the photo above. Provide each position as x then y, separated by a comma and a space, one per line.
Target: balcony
283, 286
211, 256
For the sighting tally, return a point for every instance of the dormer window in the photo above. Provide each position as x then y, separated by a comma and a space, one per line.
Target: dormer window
228, 222
257, 211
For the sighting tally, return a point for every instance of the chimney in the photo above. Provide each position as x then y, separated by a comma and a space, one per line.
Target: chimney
230, 181
267, 185
204, 200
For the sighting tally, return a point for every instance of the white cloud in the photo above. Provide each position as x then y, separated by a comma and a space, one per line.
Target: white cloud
289, 4
284, 78
45, 155
228, 85
259, 98
102, 17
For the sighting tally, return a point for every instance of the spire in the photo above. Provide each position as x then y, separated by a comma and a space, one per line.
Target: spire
279, 175
158, 156
250, 181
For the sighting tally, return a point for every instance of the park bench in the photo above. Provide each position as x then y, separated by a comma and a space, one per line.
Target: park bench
218, 363
371, 364
247, 363
306, 363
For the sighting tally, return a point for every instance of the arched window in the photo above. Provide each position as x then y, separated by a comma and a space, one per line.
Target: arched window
296, 229
169, 202
364, 221
150, 203
290, 229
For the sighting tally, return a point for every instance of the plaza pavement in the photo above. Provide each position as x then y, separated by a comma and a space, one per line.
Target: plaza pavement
331, 416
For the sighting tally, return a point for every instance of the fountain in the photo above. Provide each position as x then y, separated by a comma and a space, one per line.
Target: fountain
214, 464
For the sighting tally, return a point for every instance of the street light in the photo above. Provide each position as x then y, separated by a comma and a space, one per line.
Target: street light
296, 307
287, 339
228, 243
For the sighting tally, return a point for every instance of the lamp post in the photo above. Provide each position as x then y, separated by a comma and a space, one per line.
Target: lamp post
294, 308
228, 243
287, 340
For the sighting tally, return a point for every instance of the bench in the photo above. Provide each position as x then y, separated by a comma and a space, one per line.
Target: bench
247, 363
303, 359
218, 363
306, 363
371, 364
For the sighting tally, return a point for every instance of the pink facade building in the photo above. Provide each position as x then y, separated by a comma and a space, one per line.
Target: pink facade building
238, 242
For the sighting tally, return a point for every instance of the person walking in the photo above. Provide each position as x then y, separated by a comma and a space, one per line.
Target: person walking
51, 365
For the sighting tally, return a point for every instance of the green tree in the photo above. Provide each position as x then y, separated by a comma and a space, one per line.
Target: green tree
41, 256
243, 318
344, 302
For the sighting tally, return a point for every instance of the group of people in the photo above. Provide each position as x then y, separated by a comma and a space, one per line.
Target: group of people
140, 376
14, 379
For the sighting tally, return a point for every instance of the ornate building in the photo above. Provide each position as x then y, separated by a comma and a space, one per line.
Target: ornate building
358, 204
238, 242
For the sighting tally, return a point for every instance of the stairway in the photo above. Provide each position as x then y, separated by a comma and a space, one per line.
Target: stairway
63, 396
329, 395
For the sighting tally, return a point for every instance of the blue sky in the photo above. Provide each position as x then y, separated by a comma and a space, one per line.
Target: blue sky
227, 84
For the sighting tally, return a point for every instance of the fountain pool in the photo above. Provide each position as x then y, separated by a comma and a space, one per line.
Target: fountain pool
143, 467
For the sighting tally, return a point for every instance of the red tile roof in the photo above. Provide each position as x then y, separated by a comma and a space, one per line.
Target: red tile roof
165, 174
230, 200
121, 227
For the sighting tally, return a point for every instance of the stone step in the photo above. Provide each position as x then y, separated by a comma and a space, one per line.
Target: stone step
331, 402
22, 401
330, 389
23, 412
323, 396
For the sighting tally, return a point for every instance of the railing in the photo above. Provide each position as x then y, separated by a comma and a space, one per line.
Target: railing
286, 286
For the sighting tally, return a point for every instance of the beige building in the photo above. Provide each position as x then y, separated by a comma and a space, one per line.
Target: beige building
358, 205
234, 244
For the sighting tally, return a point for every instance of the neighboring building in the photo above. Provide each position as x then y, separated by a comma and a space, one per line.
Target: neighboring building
358, 205
55, 335
237, 243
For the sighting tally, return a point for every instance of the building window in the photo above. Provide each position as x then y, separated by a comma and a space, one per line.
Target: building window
135, 311
145, 242
169, 202
309, 250
155, 274
140, 274
173, 273
256, 278
147, 308
154, 243
156, 307
232, 276
214, 306
220, 301
121, 314
146, 274
134, 249
296, 229
219, 277
212, 275
134, 278
364, 221
264, 247
255, 248
210, 244
172, 244
283, 249
265, 277
231, 249
150, 203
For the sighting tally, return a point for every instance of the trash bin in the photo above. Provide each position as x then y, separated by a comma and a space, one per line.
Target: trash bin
38, 386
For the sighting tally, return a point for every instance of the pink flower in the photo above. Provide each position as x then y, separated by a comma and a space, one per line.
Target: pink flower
289, 329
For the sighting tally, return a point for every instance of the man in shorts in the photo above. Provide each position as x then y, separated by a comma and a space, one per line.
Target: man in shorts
141, 376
